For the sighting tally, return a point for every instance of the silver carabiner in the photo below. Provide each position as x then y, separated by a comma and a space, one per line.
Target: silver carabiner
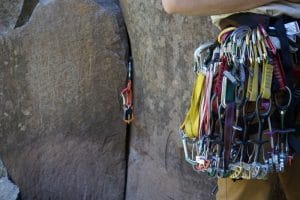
199, 57
185, 148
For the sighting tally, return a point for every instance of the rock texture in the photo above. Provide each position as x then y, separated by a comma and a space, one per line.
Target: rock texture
61, 71
9, 14
8, 190
163, 53
3, 170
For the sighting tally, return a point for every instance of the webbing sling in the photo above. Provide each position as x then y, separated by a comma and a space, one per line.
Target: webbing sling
205, 105
229, 120
266, 83
191, 122
267, 68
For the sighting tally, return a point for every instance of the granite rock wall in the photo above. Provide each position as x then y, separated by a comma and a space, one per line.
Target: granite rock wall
162, 47
62, 65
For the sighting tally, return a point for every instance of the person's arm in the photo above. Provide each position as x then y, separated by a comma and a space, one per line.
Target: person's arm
210, 7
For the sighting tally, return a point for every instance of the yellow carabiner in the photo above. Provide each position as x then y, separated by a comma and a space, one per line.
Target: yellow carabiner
226, 30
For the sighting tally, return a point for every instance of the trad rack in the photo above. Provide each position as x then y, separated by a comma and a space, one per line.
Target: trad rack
240, 86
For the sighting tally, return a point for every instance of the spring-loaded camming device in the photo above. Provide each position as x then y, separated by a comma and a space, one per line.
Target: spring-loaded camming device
127, 96
283, 138
260, 169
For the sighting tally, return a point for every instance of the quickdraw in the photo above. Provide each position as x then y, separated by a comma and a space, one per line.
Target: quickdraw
228, 129
127, 96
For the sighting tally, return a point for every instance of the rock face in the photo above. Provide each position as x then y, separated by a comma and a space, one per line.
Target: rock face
9, 13
163, 53
61, 71
8, 190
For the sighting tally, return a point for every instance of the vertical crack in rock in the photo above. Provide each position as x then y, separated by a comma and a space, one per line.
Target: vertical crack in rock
127, 150
27, 10
9, 13
128, 127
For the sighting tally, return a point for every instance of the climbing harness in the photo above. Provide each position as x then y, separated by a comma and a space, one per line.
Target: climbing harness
127, 96
240, 90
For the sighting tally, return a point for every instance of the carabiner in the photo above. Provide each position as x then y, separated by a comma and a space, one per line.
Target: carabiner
184, 140
285, 106
265, 114
199, 63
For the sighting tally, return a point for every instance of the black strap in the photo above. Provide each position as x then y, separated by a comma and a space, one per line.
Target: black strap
286, 59
250, 19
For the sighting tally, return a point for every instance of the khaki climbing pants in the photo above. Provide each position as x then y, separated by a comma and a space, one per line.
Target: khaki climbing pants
288, 182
